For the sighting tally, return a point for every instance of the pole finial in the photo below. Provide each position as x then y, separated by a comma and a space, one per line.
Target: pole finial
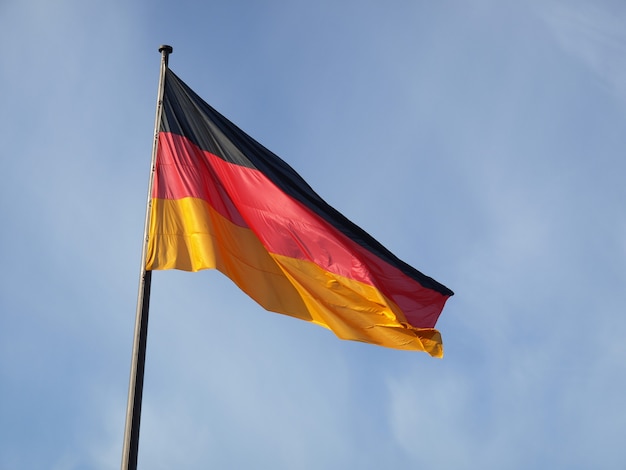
165, 48
165, 51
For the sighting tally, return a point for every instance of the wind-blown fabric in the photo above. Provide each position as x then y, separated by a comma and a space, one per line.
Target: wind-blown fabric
222, 201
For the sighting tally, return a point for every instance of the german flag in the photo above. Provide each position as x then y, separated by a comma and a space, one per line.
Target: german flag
222, 201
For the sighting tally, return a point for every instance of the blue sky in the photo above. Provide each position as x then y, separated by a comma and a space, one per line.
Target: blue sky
483, 144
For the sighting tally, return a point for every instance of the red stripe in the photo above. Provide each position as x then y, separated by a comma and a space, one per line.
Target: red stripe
284, 226
184, 170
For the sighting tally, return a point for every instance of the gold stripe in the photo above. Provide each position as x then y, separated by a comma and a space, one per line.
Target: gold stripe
188, 234
354, 310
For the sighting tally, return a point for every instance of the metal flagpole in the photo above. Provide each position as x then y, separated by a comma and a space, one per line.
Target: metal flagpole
135, 387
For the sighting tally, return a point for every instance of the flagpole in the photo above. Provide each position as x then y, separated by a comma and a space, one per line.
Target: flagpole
135, 387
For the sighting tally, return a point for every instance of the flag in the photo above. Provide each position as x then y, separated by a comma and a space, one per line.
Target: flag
221, 200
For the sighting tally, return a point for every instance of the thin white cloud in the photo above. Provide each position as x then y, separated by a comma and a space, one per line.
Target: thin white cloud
429, 420
593, 33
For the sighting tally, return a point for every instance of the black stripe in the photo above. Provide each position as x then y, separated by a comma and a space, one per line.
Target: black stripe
188, 115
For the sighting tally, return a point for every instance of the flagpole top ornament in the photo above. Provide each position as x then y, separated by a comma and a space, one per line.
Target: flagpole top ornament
165, 48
